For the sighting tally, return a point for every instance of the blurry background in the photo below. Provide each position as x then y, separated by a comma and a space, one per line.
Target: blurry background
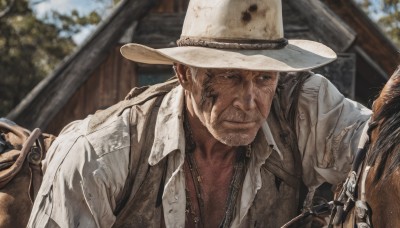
386, 13
36, 35
60, 61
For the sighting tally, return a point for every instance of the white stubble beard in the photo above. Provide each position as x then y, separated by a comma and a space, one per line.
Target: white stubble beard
229, 139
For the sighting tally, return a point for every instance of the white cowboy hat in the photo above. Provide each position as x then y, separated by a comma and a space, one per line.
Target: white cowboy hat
235, 34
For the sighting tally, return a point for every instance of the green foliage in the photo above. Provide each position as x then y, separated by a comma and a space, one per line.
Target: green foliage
391, 20
388, 12
72, 22
31, 48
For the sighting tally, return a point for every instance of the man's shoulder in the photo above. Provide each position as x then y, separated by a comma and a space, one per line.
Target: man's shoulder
308, 78
110, 129
297, 85
315, 81
140, 99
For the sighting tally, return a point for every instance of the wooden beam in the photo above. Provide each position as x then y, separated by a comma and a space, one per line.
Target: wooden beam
379, 71
49, 96
325, 23
369, 36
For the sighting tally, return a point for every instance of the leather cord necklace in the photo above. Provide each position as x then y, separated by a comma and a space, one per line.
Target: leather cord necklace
242, 157
198, 218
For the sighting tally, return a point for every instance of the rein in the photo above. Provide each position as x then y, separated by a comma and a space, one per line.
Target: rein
348, 194
315, 210
346, 199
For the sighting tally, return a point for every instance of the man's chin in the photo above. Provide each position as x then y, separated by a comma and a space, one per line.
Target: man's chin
235, 139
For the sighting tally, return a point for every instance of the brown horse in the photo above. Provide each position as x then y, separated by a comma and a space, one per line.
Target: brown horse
383, 181
370, 197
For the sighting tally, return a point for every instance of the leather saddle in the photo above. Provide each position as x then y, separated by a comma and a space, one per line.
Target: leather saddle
21, 155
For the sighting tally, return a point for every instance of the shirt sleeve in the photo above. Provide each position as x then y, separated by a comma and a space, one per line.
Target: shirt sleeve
80, 185
329, 128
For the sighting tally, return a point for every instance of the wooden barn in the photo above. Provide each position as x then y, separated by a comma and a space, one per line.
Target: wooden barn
97, 76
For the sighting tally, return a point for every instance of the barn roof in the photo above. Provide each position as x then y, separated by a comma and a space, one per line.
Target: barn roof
49, 96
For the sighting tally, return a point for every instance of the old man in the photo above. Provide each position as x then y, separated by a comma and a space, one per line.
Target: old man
226, 144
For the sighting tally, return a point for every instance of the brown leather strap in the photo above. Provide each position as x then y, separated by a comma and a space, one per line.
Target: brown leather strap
233, 44
139, 155
6, 175
292, 115
290, 83
282, 174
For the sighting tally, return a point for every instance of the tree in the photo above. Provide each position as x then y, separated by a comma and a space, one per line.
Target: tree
387, 15
30, 47
391, 20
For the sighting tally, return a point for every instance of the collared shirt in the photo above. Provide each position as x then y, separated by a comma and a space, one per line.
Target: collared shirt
85, 173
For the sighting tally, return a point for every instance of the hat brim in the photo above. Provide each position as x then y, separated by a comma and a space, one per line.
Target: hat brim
298, 55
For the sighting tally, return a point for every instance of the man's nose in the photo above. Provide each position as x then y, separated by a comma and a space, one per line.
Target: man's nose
245, 97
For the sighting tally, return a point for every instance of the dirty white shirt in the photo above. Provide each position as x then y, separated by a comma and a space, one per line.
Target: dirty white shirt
84, 176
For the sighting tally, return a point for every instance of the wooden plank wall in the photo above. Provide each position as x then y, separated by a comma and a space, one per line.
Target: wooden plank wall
111, 81
171, 6
369, 37
106, 86
376, 56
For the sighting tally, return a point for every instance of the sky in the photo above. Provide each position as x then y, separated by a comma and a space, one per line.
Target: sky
374, 9
66, 6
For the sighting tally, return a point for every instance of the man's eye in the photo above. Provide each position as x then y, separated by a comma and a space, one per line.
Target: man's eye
231, 77
264, 77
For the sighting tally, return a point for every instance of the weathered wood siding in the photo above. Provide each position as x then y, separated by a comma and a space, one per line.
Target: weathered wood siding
46, 100
171, 6
376, 56
116, 76
369, 36
106, 86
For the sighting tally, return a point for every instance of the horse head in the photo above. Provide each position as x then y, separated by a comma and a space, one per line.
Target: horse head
384, 130
369, 197
382, 185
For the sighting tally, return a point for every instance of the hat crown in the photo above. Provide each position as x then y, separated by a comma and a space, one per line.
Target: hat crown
234, 20
235, 34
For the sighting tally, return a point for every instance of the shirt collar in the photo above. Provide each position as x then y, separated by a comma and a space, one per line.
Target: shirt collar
270, 139
169, 134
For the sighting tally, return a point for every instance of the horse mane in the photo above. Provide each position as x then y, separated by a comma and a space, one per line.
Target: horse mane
387, 121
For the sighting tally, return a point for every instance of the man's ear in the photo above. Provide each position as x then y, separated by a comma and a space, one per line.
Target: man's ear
184, 76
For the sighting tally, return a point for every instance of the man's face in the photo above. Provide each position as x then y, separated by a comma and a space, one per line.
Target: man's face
232, 104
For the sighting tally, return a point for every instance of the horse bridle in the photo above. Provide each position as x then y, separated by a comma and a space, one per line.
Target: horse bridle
347, 197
